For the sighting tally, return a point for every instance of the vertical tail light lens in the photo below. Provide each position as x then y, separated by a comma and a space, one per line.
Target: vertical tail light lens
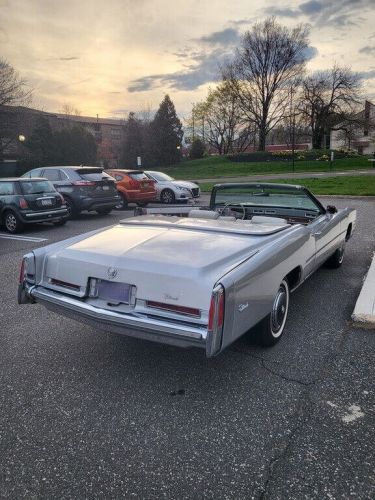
23, 203
215, 321
22, 271
27, 270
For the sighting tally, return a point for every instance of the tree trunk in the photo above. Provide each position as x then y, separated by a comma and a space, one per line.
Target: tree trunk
262, 139
317, 139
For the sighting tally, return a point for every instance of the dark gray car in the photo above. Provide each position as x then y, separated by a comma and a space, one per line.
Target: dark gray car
27, 201
83, 188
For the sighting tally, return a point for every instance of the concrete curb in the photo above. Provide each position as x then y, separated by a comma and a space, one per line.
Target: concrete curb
364, 311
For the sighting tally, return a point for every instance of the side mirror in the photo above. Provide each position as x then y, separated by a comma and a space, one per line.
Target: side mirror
331, 209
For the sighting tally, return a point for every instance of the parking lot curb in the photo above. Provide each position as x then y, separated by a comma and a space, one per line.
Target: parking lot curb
364, 311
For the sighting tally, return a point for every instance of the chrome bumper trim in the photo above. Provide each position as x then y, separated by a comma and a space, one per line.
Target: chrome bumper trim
133, 325
60, 212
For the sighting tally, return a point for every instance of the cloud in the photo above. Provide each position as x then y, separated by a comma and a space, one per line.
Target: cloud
311, 7
204, 69
367, 75
368, 50
310, 52
228, 36
73, 58
337, 13
200, 65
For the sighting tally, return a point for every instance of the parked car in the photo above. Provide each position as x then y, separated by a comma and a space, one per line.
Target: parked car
83, 188
202, 280
169, 190
27, 201
133, 186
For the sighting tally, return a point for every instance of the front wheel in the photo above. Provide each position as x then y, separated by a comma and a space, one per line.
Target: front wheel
12, 223
167, 196
271, 328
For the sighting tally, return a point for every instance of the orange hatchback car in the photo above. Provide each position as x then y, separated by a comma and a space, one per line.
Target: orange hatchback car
133, 186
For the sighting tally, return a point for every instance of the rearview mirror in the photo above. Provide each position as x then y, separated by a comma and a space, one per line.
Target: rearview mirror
331, 209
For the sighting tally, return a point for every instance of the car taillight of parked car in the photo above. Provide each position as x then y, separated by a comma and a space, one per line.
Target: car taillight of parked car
83, 183
23, 203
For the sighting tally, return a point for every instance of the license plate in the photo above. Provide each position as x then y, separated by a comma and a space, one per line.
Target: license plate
105, 188
46, 202
116, 292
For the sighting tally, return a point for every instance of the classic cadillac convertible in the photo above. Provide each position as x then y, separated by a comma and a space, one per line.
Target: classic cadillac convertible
200, 280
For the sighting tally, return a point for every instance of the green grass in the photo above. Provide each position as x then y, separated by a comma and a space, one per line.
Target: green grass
362, 185
217, 166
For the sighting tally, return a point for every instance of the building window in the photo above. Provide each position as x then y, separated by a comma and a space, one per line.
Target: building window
115, 133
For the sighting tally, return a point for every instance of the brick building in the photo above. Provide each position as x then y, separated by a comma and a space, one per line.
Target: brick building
17, 122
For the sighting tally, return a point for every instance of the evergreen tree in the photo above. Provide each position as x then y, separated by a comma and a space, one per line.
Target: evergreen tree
41, 144
75, 146
197, 149
166, 134
133, 145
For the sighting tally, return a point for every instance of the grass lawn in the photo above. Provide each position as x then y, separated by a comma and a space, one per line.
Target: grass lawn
363, 185
216, 166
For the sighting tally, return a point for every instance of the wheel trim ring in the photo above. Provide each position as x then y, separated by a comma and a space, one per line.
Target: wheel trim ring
10, 222
279, 311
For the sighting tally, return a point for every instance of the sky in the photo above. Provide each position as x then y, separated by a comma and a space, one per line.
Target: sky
111, 57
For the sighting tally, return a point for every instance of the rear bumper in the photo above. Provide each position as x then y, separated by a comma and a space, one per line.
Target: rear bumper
137, 196
131, 325
43, 216
98, 203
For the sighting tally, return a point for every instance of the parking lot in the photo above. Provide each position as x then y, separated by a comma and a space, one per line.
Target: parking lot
87, 414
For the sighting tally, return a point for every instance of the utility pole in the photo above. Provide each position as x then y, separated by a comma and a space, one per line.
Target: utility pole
292, 118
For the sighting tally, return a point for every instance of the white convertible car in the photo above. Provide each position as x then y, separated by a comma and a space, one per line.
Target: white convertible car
201, 280
169, 190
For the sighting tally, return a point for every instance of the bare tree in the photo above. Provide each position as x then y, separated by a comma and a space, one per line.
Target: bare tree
270, 59
329, 99
13, 89
14, 94
220, 121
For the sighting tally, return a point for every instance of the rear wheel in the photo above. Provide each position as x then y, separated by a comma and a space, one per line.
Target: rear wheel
72, 210
167, 196
103, 211
269, 331
123, 203
335, 261
12, 223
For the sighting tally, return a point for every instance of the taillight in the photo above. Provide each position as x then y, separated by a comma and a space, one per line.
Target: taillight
83, 183
23, 203
215, 321
22, 271
188, 311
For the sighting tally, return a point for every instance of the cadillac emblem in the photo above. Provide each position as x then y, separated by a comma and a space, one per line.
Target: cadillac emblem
112, 272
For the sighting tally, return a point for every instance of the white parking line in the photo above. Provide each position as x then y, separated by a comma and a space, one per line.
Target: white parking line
6, 236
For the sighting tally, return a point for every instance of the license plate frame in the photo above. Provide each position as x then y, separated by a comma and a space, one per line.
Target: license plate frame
113, 291
46, 202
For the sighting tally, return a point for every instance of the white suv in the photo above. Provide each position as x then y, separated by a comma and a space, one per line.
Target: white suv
169, 190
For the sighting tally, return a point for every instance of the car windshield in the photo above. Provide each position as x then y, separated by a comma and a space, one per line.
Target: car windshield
160, 176
36, 187
265, 195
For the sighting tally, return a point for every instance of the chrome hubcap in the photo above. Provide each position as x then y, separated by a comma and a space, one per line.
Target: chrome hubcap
279, 311
11, 222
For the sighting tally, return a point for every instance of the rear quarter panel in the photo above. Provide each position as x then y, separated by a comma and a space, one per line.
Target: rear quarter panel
251, 287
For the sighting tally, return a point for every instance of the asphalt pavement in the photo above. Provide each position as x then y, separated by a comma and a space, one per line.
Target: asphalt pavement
87, 414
